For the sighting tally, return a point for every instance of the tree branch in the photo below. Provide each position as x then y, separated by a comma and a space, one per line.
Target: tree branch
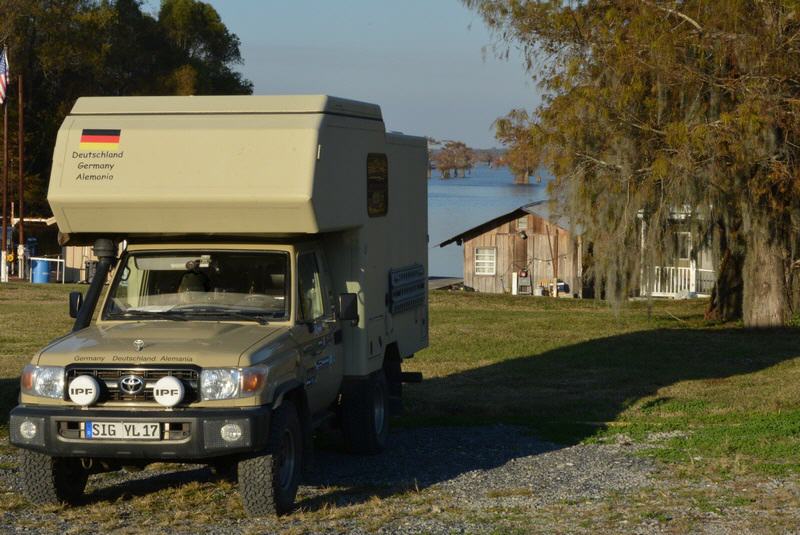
599, 162
675, 13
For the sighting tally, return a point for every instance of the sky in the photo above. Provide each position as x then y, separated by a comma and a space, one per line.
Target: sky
427, 63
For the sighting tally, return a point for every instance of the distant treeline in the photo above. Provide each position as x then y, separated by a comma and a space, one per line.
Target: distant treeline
455, 159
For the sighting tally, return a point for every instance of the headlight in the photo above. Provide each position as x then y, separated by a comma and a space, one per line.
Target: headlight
219, 383
43, 381
229, 383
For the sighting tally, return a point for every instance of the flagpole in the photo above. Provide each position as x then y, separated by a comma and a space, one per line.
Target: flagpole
4, 264
21, 184
3, 244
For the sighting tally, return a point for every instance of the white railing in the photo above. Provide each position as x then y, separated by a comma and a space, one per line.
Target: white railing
673, 281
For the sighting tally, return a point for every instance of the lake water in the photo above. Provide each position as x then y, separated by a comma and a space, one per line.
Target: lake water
458, 204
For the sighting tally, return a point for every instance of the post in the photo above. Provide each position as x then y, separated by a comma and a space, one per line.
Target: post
3, 244
643, 282
555, 263
11, 245
21, 184
553, 258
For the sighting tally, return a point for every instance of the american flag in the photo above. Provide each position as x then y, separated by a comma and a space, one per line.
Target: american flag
3, 76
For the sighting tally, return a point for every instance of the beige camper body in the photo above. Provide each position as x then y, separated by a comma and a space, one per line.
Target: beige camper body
268, 275
255, 166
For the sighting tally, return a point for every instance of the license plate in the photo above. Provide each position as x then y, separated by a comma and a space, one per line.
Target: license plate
122, 430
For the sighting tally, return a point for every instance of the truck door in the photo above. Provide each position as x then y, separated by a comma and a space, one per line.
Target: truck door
318, 337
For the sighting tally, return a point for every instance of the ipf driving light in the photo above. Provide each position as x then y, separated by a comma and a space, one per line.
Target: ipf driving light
27, 429
230, 432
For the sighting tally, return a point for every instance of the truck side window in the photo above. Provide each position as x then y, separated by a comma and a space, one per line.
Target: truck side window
377, 184
308, 279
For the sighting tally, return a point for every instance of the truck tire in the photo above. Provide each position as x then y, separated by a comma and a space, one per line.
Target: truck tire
365, 415
268, 482
51, 480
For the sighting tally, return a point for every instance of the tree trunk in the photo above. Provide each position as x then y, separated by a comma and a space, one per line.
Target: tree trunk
726, 297
766, 296
794, 287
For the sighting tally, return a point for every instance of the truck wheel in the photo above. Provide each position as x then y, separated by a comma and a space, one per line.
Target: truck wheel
365, 415
52, 480
268, 482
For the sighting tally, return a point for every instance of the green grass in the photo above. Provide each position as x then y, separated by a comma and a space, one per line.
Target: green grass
581, 371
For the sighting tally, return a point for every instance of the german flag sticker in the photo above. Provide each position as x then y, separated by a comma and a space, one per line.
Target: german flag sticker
100, 139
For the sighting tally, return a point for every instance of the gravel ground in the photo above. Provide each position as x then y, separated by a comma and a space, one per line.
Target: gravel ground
434, 480
473, 463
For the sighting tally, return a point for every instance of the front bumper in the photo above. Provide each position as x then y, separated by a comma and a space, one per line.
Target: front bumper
186, 434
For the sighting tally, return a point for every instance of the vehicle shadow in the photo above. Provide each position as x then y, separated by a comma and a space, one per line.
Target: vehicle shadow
9, 395
414, 459
129, 486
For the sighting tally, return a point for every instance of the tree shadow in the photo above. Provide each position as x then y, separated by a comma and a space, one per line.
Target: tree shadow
584, 385
566, 395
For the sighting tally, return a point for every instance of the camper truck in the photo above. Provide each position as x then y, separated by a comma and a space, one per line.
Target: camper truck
262, 271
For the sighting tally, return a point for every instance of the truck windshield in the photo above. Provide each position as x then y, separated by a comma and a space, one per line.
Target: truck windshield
201, 285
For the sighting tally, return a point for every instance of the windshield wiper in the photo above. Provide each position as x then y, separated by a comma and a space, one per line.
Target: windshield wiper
166, 314
219, 311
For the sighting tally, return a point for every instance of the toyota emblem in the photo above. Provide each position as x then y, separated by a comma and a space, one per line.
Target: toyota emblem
131, 384
138, 344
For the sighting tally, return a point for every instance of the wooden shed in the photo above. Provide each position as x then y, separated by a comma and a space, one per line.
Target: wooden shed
524, 242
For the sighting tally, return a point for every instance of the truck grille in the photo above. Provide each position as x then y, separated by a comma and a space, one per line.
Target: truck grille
109, 379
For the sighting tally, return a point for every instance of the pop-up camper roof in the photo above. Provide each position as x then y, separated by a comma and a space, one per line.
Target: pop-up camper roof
244, 165
279, 104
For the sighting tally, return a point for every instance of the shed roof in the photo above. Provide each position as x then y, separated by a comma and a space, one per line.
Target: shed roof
538, 208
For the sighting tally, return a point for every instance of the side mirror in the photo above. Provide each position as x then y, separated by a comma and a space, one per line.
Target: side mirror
347, 307
75, 303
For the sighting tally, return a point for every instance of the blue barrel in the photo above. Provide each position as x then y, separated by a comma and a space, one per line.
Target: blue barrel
40, 271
